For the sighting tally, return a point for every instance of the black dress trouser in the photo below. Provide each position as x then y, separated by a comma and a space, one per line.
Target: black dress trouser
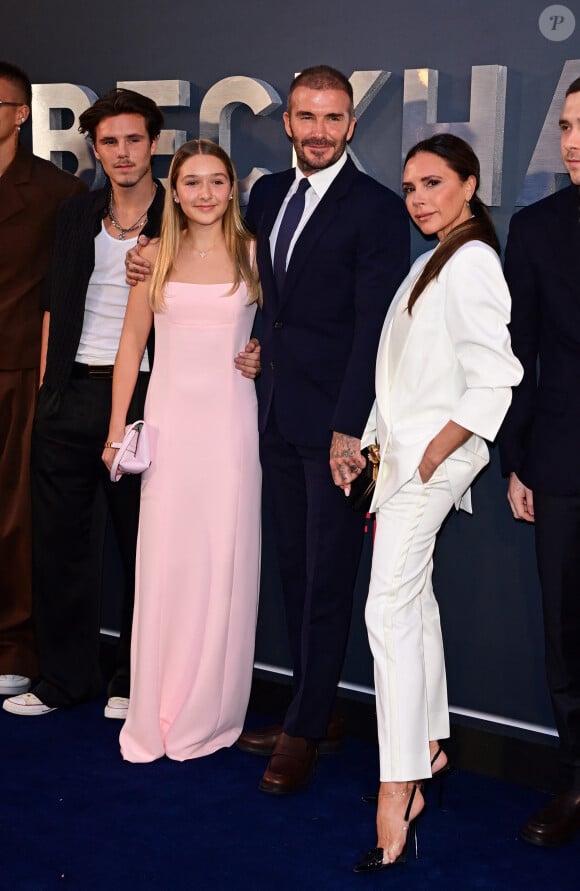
67, 472
557, 522
318, 540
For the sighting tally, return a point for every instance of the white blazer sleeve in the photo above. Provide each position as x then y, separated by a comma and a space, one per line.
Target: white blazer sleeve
370, 432
477, 313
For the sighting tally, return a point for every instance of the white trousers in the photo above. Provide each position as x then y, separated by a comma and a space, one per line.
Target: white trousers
402, 618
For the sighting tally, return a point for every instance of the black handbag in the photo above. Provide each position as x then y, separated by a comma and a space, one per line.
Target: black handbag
362, 488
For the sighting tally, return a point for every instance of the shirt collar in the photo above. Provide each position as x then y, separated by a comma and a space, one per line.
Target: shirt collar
322, 180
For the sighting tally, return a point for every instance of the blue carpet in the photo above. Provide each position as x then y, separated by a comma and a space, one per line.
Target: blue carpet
74, 815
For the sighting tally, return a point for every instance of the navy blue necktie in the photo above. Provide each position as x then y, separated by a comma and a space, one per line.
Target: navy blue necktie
290, 220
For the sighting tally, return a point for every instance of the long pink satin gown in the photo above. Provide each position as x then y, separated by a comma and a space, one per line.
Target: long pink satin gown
198, 556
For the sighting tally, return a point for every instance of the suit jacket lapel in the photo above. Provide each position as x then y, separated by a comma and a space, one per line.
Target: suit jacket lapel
278, 192
18, 172
388, 374
566, 236
276, 196
323, 216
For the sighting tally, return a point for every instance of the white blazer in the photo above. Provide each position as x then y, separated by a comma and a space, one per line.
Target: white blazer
456, 363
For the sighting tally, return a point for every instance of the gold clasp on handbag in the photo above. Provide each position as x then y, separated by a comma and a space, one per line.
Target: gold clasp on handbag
374, 454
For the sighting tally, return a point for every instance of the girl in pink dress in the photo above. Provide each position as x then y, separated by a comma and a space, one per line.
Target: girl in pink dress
198, 556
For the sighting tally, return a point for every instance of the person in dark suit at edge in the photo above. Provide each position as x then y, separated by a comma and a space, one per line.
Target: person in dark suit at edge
333, 246
539, 446
31, 190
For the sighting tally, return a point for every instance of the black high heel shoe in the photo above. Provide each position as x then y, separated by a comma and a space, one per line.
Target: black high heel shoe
438, 776
373, 861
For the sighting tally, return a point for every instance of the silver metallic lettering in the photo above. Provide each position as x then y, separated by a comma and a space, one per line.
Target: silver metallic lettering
167, 94
365, 86
484, 130
51, 139
546, 172
218, 105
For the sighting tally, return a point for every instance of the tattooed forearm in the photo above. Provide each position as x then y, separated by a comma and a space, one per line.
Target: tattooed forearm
343, 446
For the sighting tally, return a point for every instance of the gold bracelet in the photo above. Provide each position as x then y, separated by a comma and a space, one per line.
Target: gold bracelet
112, 445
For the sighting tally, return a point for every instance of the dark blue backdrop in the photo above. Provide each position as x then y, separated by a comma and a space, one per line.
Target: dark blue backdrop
485, 578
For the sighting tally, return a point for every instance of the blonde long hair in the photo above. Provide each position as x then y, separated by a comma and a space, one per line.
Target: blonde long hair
237, 238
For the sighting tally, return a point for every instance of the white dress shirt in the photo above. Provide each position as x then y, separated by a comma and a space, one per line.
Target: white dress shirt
320, 182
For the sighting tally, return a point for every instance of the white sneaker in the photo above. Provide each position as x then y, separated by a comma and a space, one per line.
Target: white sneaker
26, 704
13, 683
117, 707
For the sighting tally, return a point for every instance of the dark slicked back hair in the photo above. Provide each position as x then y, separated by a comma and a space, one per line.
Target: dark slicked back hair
574, 87
19, 78
322, 77
461, 158
117, 102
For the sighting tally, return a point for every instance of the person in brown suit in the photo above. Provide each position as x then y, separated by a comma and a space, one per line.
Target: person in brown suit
31, 190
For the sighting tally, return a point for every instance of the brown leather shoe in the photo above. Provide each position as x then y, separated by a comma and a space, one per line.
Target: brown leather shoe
555, 824
260, 741
291, 766
263, 740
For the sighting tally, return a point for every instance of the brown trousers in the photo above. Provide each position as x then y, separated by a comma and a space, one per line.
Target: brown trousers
17, 403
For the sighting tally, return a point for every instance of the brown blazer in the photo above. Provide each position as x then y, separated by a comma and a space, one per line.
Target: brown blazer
31, 190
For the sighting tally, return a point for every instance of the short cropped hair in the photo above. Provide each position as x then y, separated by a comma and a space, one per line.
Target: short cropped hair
322, 77
19, 79
117, 102
574, 87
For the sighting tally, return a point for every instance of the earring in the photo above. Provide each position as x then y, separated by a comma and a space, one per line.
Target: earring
231, 198
176, 199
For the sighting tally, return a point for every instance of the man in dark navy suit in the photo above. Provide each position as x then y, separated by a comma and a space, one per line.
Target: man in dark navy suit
333, 246
539, 446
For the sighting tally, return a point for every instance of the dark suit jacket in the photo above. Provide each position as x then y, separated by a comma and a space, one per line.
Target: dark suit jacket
31, 190
72, 262
320, 336
541, 435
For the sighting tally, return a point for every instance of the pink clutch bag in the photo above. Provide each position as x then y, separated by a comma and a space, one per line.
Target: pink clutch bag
133, 455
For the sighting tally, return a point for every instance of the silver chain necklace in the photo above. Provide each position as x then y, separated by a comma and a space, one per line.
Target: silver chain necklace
122, 229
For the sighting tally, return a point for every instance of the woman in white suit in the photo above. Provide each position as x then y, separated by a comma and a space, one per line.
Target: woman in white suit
444, 374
